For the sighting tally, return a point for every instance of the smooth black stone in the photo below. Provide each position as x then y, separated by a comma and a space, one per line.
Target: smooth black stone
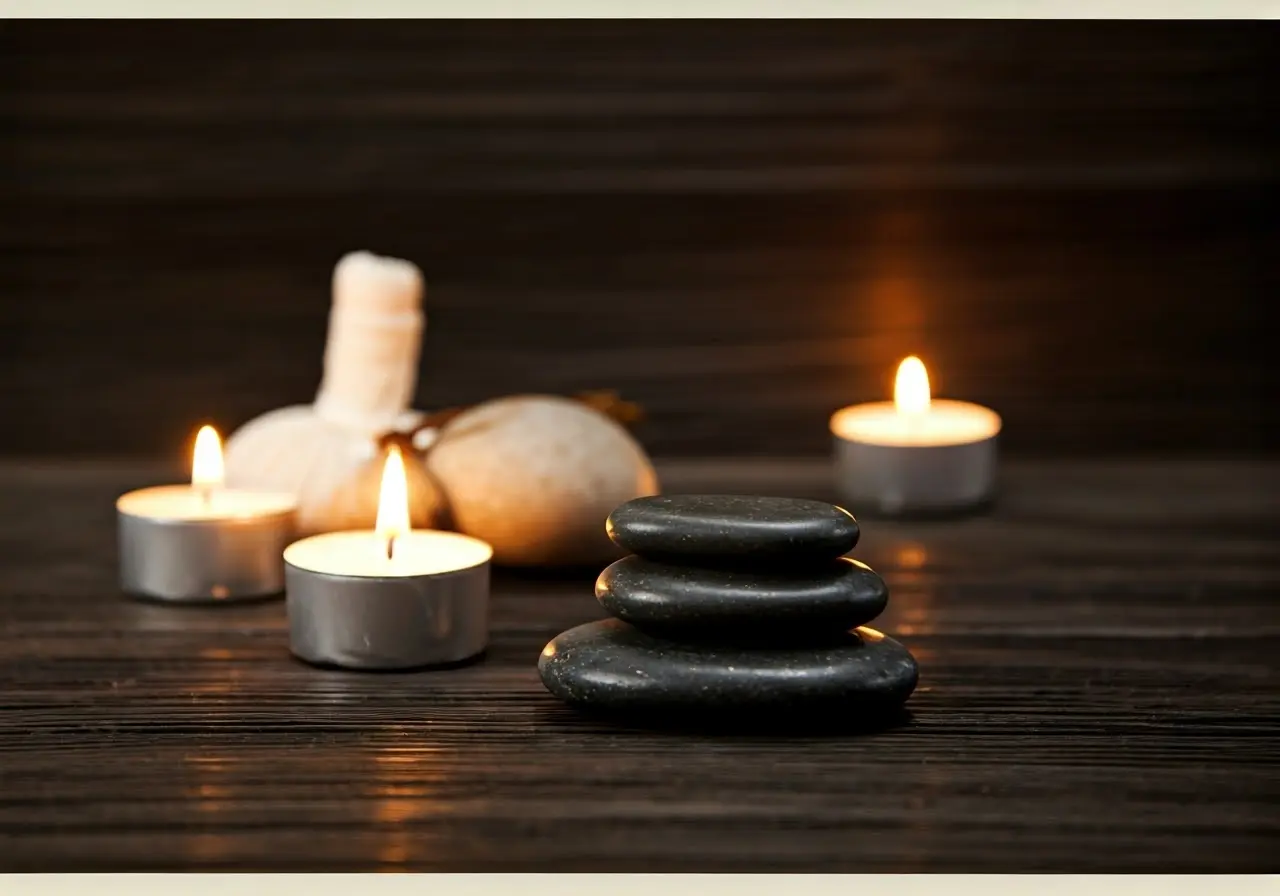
687, 601
614, 667
734, 529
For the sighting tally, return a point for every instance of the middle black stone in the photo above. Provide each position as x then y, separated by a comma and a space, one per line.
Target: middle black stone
830, 596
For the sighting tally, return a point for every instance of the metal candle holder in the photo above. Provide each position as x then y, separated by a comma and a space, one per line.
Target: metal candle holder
387, 622
200, 560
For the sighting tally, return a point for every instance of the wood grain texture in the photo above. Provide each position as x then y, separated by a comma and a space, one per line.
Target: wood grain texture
1099, 693
742, 225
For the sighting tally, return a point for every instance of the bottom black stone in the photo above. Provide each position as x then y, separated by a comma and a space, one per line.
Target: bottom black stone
613, 667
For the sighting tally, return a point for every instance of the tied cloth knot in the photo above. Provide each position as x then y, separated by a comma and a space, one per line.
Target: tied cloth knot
422, 437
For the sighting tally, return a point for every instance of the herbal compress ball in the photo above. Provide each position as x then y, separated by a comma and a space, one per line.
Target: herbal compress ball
537, 475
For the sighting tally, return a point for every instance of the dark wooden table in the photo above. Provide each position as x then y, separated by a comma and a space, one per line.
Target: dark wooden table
1098, 693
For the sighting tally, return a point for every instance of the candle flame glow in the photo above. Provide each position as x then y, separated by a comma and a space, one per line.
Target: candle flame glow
393, 501
206, 460
911, 387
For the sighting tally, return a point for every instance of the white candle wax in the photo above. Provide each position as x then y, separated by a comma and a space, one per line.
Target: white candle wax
915, 454
364, 554
188, 503
944, 423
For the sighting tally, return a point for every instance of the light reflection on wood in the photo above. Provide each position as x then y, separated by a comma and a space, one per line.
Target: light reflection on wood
406, 789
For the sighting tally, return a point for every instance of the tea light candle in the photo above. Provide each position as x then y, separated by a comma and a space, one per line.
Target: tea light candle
391, 598
915, 455
203, 542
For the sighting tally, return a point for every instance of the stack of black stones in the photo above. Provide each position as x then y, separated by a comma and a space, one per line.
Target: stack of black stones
733, 604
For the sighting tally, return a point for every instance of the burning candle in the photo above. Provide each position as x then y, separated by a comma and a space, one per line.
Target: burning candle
390, 598
203, 541
915, 454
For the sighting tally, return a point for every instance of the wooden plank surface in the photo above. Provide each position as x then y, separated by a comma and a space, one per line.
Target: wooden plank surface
741, 225
1099, 692
156, 110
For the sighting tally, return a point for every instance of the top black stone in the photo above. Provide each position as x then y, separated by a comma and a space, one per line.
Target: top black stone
735, 529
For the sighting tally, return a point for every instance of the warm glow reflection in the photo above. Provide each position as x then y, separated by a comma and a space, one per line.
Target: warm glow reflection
393, 501
911, 556
869, 635
206, 461
911, 387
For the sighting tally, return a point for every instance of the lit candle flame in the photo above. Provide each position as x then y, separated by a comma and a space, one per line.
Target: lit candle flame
206, 461
393, 501
911, 387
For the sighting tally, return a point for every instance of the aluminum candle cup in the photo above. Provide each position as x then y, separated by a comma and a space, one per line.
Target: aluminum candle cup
914, 455
893, 479
203, 542
186, 544
361, 600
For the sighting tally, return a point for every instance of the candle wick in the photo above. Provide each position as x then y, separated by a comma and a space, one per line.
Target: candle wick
206, 496
391, 546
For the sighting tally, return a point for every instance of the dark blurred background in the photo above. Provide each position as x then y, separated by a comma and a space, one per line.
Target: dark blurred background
740, 225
